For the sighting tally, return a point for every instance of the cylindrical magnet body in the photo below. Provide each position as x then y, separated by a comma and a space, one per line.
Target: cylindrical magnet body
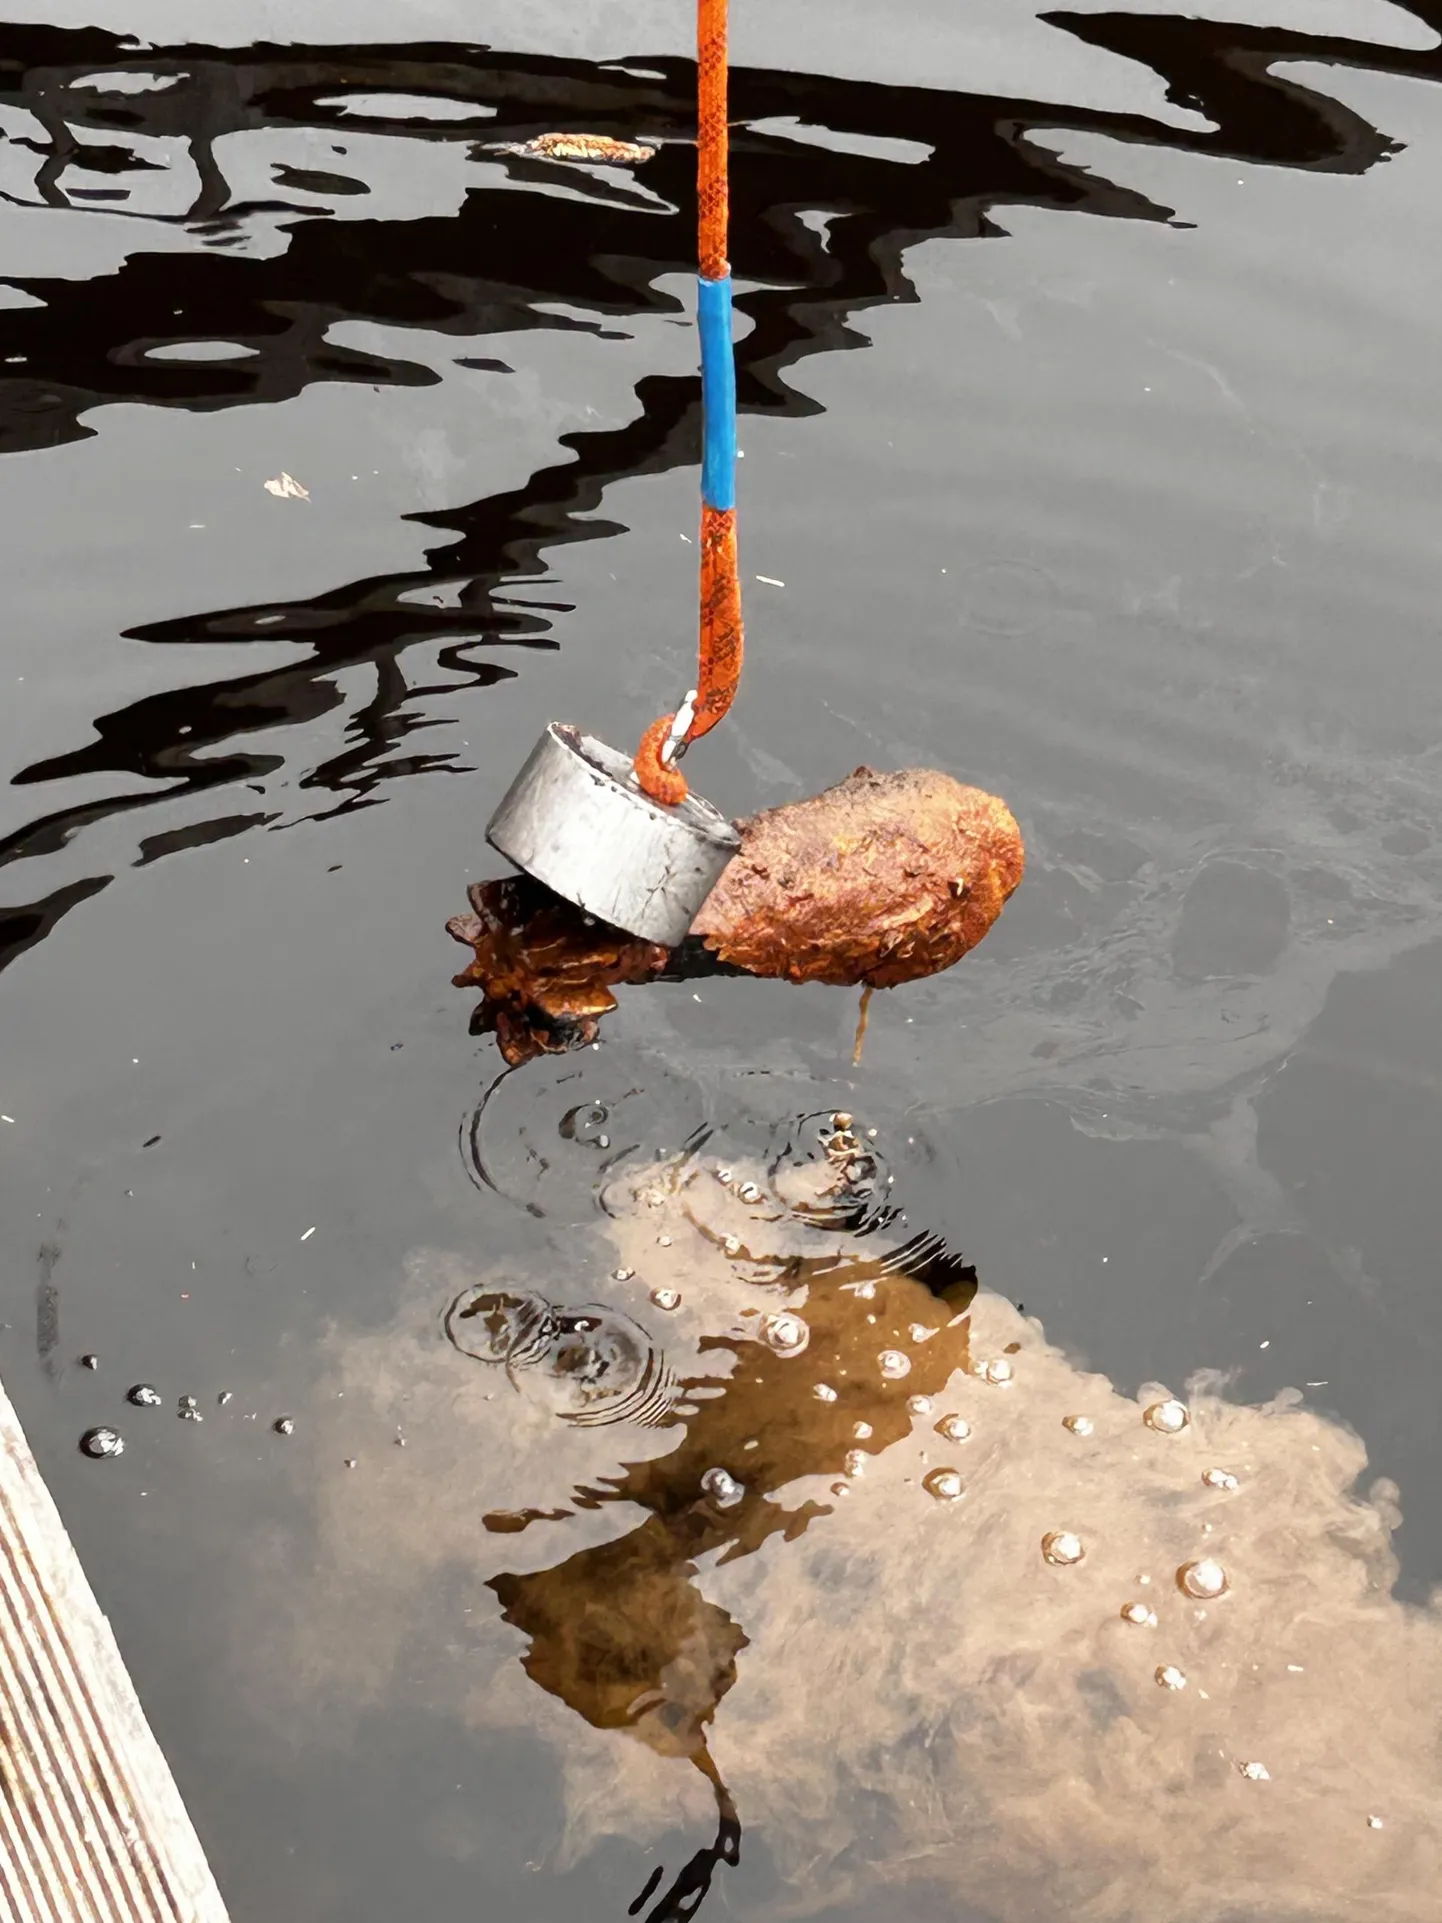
576, 820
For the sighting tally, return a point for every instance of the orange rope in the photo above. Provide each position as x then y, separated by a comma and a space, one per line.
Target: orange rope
721, 640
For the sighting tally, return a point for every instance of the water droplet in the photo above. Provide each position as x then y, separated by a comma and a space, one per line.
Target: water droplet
1170, 1677
1255, 1772
749, 1192
1220, 1479
855, 1462
101, 1443
823, 1392
786, 1334
954, 1428
919, 1405
663, 1241
666, 1298
90, 1362
144, 1396
1139, 1616
1205, 1580
945, 1484
998, 1371
732, 1245
1374, 1822
284, 1425
894, 1364
723, 1488
622, 1275
187, 1410
1168, 1418
1079, 1425
1062, 1547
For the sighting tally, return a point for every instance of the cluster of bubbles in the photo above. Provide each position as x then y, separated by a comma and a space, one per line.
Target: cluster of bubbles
103, 1443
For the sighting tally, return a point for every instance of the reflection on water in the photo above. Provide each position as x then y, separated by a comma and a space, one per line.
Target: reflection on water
235, 272
981, 1624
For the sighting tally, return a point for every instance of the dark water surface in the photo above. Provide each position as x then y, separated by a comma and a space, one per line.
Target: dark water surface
1091, 388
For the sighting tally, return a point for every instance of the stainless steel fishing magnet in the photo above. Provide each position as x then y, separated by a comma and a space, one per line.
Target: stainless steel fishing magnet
576, 818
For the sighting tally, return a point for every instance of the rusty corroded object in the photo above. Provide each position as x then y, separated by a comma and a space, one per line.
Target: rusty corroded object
880, 880
599, 149
883, 879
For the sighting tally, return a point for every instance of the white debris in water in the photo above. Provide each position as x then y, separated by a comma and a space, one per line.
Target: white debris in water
1220, 1479
1170, 1677
309, 1233
285, 487
666, 1298
1255, 1772
855, 1462
894, 1364
824, 1392
919, 1405
723, 1488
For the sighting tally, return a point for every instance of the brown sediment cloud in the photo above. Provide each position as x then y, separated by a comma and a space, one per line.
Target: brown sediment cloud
908, 1703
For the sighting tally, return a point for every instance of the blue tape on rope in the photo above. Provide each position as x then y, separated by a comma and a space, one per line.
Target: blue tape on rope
718, 391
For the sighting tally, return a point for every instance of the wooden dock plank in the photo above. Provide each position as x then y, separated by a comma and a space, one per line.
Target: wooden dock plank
92, 1827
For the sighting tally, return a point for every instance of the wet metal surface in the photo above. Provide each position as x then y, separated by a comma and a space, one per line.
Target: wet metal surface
1088, 375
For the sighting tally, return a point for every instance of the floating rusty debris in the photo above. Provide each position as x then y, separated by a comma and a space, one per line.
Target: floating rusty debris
852, 887
599, 149
285, 487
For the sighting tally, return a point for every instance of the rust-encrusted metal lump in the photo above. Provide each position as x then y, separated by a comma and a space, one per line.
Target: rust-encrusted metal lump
884, 878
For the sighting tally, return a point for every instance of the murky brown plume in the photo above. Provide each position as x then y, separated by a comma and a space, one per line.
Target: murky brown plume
770, 1522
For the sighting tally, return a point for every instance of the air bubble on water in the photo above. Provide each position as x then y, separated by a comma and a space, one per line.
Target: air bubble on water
894, 1364
861, 1430
1168, 1418
945, 1484
723, 1488
101, 1443
666, 1298
90, 1362
919, 1405
1374, 1822
732, 1245
144, 1396
224, 1397
841, 1488
823, 1392
622, 1275
188, 1410
1255, 1772
284, 1425
1170, 1677
855, 1462
1220, 1479
748, 1192
725, 1177
350, 1462
785, 1333
1079, 1425
663, 1241
1139, 1616
1062, 1547
955, 1428
921, 1332
1206, 1580
997, 1371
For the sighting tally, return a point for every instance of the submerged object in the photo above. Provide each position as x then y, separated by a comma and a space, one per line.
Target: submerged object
882, 879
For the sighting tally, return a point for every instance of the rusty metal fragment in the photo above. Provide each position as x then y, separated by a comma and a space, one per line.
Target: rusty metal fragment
883, 879
879, 880
599, 149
